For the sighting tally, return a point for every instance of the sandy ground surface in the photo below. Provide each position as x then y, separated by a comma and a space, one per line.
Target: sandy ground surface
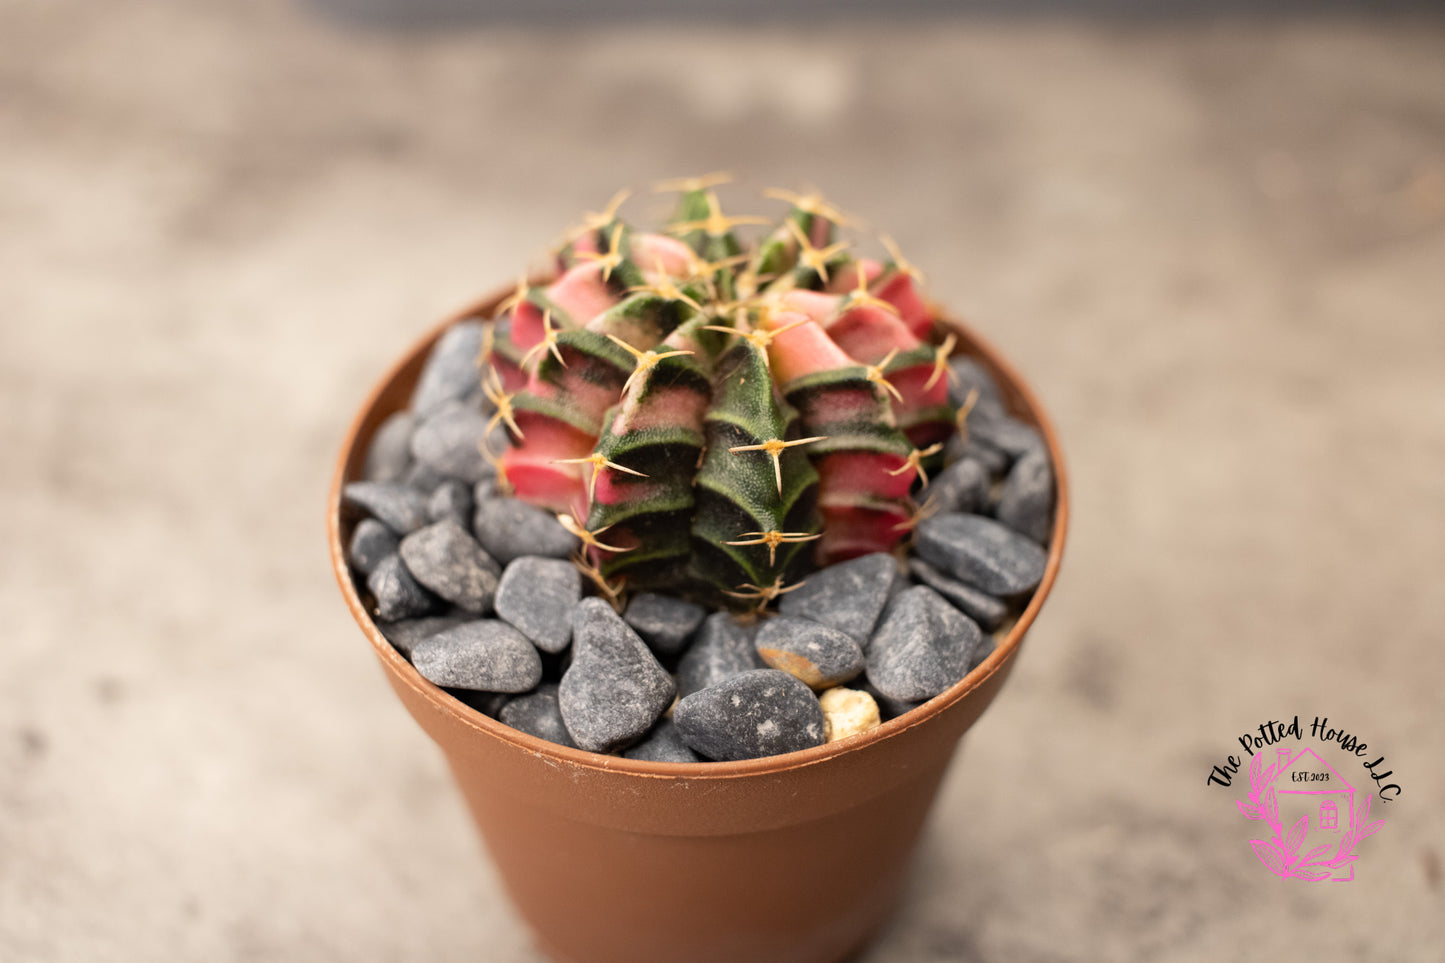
1218, 250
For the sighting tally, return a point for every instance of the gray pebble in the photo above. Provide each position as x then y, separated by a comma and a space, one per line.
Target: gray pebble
922, 646
819, 655
422, 478
1027, 500
509, 528
487, 703
900, 582
723, 648
1006, 434
983, 608
961, 487
446, 559
847, 596
538, 596
397, 594
888, 708
980, 552
451, 371
538, 714
982, 651
409, 633
969, 373
395, 506
960, 449
486, 654
449, 442
759, 713
614, 690
665, 623
451, 499
390, 453
371, 542
663, 744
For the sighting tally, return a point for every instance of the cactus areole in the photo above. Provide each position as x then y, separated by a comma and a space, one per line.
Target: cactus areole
716, 416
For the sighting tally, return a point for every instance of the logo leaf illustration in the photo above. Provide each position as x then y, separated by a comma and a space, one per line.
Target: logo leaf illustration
1297, 835
1269, 855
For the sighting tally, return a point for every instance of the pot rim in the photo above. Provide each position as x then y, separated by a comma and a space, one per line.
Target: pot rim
403, 671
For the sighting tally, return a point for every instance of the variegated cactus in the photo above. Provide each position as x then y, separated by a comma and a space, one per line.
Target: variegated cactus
715, 416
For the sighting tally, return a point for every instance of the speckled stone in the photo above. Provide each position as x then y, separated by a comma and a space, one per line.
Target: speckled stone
982, 553
390, 453
759, 713
396, 506
889, 708
509, 529
959, 449
538, 714
485, 654
665, 623
922, 646
370, 542
538, 596
450, 372
983, 608
969, 373
723, 648
1007, 434
407, 634
847, 596
449, 442
663, 744
446, 559
451, 499
397, 594
422, 478
819, 655
487, 703
1027, 500
961, 487
614, 689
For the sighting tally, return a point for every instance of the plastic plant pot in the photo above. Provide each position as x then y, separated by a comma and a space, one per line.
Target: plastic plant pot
796, 858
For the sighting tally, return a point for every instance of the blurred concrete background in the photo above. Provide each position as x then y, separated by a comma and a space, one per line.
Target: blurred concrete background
1217, 247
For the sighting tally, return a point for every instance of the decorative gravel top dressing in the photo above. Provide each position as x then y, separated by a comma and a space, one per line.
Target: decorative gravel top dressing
701, 497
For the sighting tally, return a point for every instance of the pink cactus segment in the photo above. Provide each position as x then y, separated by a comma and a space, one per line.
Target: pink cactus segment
514, 379
912, 383
663, 408
815, 304
581, 293
847, 475
611, 490
899, 290
530, 465
573, 391
589, 242
867, 333
527, 325
851, 531
846, 279
803, 350
650, 251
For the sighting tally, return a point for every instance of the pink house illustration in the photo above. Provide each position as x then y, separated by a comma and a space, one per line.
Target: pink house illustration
1312, 788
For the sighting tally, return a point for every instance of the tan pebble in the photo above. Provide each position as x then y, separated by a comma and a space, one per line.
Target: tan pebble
847, 712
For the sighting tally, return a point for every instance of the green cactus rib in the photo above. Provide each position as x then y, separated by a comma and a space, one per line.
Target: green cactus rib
652, 447
745, 494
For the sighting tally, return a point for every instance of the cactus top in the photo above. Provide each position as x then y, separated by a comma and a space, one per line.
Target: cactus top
715, 415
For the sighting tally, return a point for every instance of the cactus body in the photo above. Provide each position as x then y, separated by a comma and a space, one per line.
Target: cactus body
720, 418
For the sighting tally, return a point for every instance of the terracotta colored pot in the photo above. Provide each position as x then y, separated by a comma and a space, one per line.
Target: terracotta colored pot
789, 858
